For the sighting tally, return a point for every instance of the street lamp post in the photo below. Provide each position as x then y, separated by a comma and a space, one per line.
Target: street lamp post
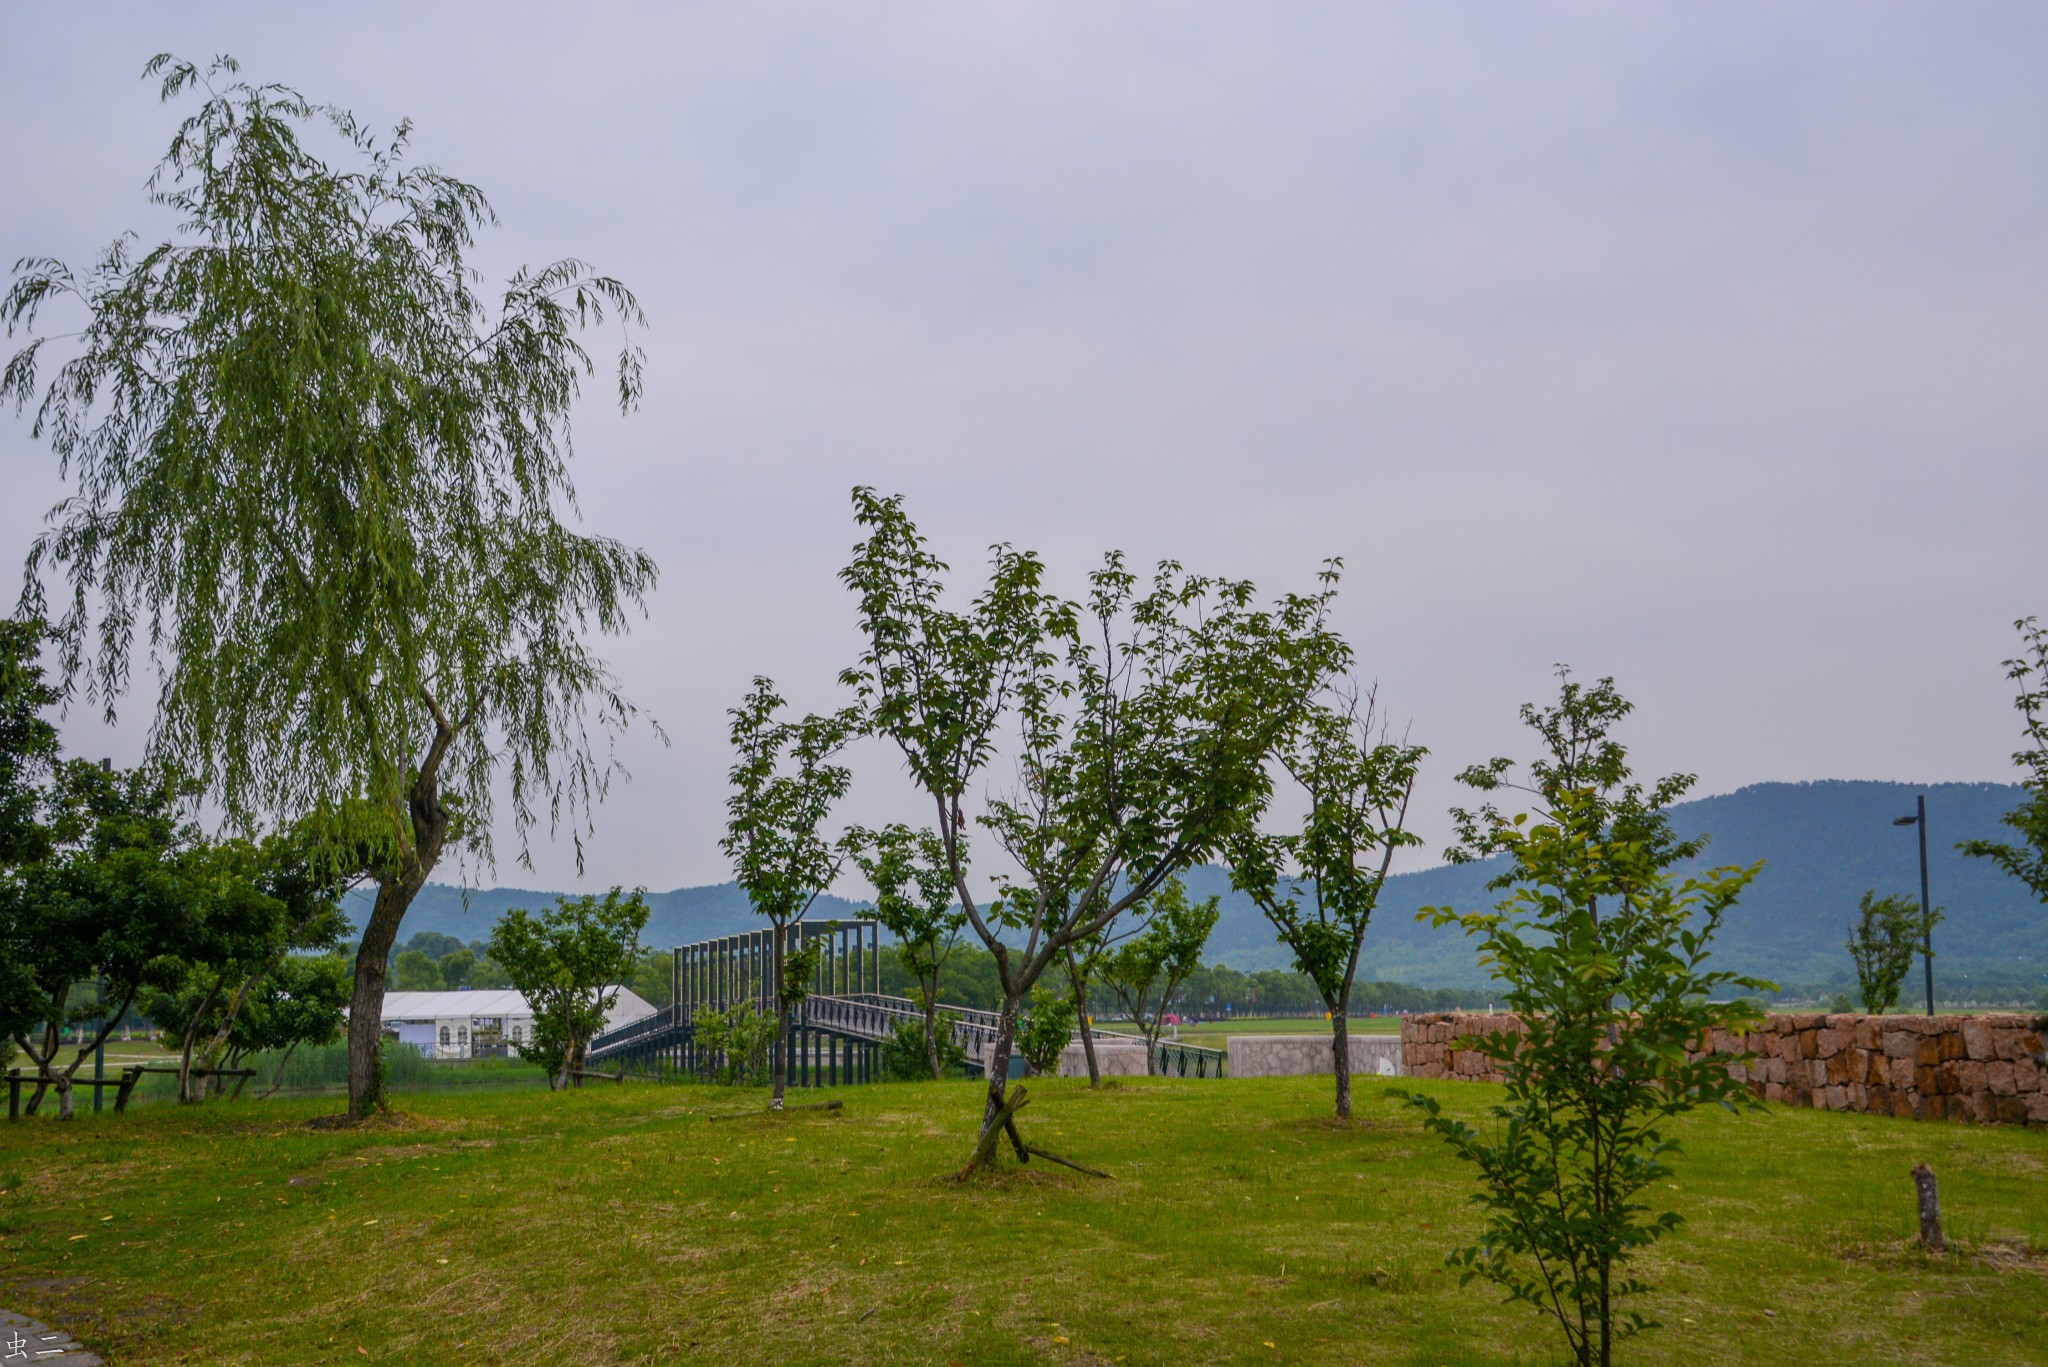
1926, 914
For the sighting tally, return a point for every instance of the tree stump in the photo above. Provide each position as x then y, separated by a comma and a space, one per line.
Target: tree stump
1930, 1208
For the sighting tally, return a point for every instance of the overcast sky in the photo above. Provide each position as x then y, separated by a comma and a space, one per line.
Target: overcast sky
1703, 346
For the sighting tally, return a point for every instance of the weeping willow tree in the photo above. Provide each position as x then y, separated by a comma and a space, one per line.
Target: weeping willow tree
319, 479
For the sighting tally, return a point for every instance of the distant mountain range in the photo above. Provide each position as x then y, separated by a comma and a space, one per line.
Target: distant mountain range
1822, 845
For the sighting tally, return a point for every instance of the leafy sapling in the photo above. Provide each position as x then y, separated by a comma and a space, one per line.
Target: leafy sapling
570, 962
1146, 971
1603, 954
2026, 859
914, 901
784, 786
1319, 886
1047, 1030
1882, 944
1141, 723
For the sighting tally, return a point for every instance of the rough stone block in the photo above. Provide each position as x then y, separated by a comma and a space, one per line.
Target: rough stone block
1977, 1041
1970, 1077
1928, 1050
1899, 1044
1999, 1077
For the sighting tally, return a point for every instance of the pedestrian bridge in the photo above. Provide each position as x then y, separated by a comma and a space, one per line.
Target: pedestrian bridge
836, 1035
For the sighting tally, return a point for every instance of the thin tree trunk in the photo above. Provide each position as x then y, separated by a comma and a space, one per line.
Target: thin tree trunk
996, 1063
1340, 1055
931, 1028
1080, 985
192, 1035
779, 1060
277, 1078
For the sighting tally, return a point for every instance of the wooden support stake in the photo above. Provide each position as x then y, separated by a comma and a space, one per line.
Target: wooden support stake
1070, 1163
985, 1149
1930, 1208
130, 1075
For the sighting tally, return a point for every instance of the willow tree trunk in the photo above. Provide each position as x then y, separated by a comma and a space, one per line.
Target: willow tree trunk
395, 891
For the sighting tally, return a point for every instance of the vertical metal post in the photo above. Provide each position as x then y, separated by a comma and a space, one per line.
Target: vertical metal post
1926, 912
99, 1049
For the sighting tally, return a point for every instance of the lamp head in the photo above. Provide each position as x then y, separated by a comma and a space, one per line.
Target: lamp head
1906, 821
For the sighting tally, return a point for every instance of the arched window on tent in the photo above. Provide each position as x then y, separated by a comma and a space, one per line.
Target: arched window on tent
444, 1037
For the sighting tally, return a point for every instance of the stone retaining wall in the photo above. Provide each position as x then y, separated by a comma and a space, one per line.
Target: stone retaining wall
1114, 1060
1300, 1055
1984, 1068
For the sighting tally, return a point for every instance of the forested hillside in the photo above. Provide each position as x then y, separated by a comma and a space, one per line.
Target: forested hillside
1821, 843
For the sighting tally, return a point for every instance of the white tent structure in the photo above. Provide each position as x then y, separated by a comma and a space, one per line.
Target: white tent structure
483, 1022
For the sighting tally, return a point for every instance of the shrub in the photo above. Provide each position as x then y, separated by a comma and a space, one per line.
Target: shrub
906, 1057
1043, 1034
739, 1038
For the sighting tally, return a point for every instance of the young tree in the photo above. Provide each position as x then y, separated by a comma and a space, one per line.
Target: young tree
1319, 888
1603, 953
456, 967
329, 476
301, 1001
414, 971
1146, 971
739, 1037
1046, 1030
1882, 943
2028, 859
113, 899
914, 902
784, 785
569, 962
252, 906
1141, 737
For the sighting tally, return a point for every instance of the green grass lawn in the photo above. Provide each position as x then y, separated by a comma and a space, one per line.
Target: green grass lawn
630, 1224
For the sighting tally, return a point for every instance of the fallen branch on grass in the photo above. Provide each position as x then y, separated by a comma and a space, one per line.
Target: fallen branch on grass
1069, 1163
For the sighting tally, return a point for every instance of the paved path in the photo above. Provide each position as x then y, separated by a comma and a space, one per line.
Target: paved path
25, 1341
